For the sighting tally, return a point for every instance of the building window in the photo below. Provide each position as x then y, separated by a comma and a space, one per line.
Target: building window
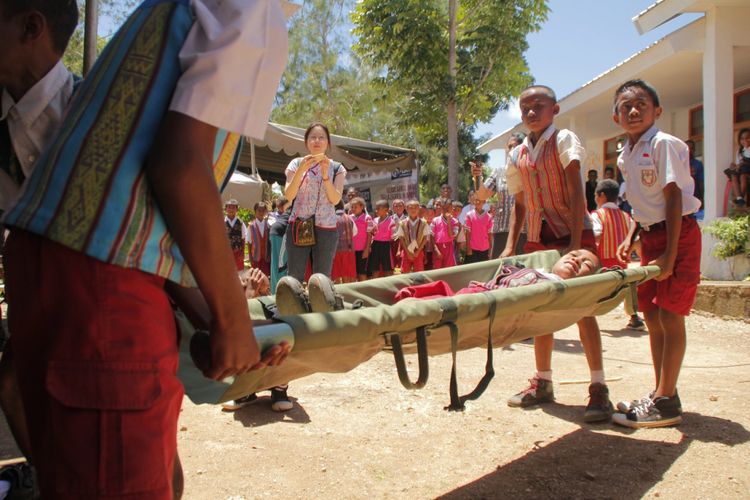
695, 127
742, 108
612, 148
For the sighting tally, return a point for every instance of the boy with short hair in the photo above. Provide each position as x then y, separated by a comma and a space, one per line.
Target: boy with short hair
611, 227
413, 234
236, 232
444, 230
478, 227
656, 167
545, 177
257, 245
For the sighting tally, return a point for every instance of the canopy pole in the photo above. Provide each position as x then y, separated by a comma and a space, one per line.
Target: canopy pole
253, 166
90, 36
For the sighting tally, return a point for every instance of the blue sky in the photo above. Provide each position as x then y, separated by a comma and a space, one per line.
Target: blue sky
580, 40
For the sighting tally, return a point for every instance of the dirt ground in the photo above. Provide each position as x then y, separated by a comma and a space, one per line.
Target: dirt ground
361, 435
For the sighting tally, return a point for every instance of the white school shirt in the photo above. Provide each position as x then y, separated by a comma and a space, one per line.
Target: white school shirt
569, 148
32, 123
232, 61
657, 159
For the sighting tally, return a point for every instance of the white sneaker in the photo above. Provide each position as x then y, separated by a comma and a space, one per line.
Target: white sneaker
236, 404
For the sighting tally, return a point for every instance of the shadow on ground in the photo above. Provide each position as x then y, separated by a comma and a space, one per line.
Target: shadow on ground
260, 413
590, 464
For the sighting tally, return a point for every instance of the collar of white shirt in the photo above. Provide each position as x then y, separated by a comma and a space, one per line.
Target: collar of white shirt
647, 136
36, 100
542, 139
610, 204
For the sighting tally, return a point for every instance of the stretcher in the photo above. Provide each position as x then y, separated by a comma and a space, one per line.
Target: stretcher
339, 341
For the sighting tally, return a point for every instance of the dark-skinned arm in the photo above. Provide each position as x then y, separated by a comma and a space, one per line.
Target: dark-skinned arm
673, 220
179, 171
517, 216
577, 203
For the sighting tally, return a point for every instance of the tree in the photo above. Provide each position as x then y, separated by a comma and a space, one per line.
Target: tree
112, 14
456, 62
324, 81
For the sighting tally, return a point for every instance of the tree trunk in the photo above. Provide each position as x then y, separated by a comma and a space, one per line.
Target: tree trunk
451, 105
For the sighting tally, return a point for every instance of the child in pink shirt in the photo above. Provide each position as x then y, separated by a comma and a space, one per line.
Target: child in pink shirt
361, 240
379, 262
444, 230
478, 227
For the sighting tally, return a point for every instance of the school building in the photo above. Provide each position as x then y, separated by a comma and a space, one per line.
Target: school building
702, 73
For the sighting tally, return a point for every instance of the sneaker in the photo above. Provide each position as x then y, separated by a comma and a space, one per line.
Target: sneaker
539, 391
625, 406
21, 481
599, 407
291, 298
739, 202
236, 404
279, 399
322, 295
659, 412
636, 323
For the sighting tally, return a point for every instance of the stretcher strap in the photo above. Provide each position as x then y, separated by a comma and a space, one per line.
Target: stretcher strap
457, 402
398, 355
634, 296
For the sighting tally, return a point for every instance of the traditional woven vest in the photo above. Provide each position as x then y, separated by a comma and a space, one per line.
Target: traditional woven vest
234, 231
259, 242
345, 228
614, 230
420, 230
545, 191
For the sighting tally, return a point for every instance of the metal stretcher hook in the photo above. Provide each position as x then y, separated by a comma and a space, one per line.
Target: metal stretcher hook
423, 361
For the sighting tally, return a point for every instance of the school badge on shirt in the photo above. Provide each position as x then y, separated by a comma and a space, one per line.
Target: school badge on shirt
648, 177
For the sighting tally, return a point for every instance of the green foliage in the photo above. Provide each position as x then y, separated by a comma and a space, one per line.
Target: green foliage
731, 235
409, 39
111, 14
246, 215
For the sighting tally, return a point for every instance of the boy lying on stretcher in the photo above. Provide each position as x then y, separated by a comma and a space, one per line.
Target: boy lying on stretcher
571, 265
320, 296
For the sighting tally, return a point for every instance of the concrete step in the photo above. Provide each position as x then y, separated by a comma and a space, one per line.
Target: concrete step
724, 298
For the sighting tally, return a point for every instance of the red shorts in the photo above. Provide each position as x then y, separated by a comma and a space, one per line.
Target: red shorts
344, 266
548, 241
239, 258
447, 256
613, 262
263, 265
676, 294
95, 349
416, 265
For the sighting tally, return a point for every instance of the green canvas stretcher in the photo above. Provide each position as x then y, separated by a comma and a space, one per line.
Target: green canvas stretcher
339, 341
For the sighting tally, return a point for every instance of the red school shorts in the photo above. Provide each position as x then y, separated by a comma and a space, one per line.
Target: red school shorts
95, 349
409, 266
677, 293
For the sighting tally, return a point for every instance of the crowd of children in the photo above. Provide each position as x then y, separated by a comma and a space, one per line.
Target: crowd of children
407, 236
